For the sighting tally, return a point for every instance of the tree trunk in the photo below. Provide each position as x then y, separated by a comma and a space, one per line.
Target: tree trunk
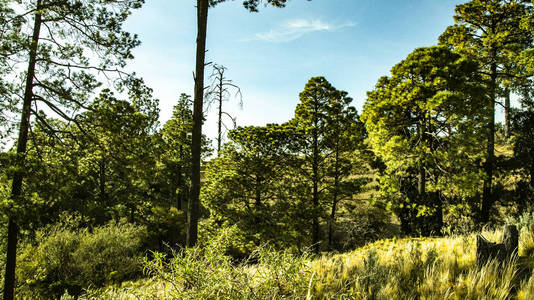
487, 200
439, 216
182, 186
102, 182
178, 190
219, 125
132, 214
421, 182
510, 239
531, 187
315, 170
315, 224
196, 143
16, 186
502, 252
334, 198
507, 113
258, 191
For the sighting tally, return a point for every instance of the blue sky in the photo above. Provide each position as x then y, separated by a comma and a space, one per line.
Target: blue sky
272, 54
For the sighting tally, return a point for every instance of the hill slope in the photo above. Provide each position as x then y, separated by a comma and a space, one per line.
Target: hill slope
412, 268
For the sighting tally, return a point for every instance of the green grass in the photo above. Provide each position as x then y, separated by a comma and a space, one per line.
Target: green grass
411, 268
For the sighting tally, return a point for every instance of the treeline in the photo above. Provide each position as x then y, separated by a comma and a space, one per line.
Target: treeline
90, 151
276, 183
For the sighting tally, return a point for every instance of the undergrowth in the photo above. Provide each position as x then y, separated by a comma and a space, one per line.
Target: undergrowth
411, 268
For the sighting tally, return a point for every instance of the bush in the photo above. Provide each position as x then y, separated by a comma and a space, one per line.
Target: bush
207, 273
365, 223
230, 240
71, 260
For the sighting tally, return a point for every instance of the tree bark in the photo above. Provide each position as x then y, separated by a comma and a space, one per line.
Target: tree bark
196, 143
531, 183
16, 186
487, 200
179, 192
421, 182
315, 179
258, 191
502, 252
219, 125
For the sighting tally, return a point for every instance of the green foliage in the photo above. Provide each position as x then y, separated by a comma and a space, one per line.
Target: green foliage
424, 123
206, 273
64, 259
495, 34
103, 168
165, 226
66, 34
253, 185
330, 130
231, 239
175, 138
490, 31
522, 124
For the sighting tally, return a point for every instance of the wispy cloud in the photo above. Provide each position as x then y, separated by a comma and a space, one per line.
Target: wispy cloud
295, 29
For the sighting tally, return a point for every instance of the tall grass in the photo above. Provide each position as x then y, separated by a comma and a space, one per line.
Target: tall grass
412, 268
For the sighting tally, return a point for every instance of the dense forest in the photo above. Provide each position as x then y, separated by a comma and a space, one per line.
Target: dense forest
99, 199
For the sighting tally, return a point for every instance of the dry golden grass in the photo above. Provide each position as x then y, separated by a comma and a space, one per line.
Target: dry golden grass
410, 268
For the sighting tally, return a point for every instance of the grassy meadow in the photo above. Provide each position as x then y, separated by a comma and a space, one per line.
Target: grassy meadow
410, 268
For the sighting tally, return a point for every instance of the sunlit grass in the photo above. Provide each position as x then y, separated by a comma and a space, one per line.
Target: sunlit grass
409, 268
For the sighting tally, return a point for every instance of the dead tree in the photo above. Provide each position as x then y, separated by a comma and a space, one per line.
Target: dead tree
219, 92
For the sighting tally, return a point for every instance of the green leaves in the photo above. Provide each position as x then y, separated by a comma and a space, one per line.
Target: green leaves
420, 123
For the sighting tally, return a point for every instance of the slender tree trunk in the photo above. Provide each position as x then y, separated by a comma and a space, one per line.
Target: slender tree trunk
132, 214
507, 113
439, 217
102, 182
182, 187
178, 189
315, 203
258, 190
179, 183
315, 196
196, 143
334, 198
421, 183
487, 200
16, 186
219, 125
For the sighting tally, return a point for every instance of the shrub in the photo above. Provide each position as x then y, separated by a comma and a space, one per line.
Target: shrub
207, 273
71, 260
229, 239
363, 224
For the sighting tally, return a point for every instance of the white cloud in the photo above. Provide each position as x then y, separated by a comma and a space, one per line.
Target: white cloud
295, 29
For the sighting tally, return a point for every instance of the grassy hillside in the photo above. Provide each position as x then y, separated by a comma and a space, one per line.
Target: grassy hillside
426, 268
